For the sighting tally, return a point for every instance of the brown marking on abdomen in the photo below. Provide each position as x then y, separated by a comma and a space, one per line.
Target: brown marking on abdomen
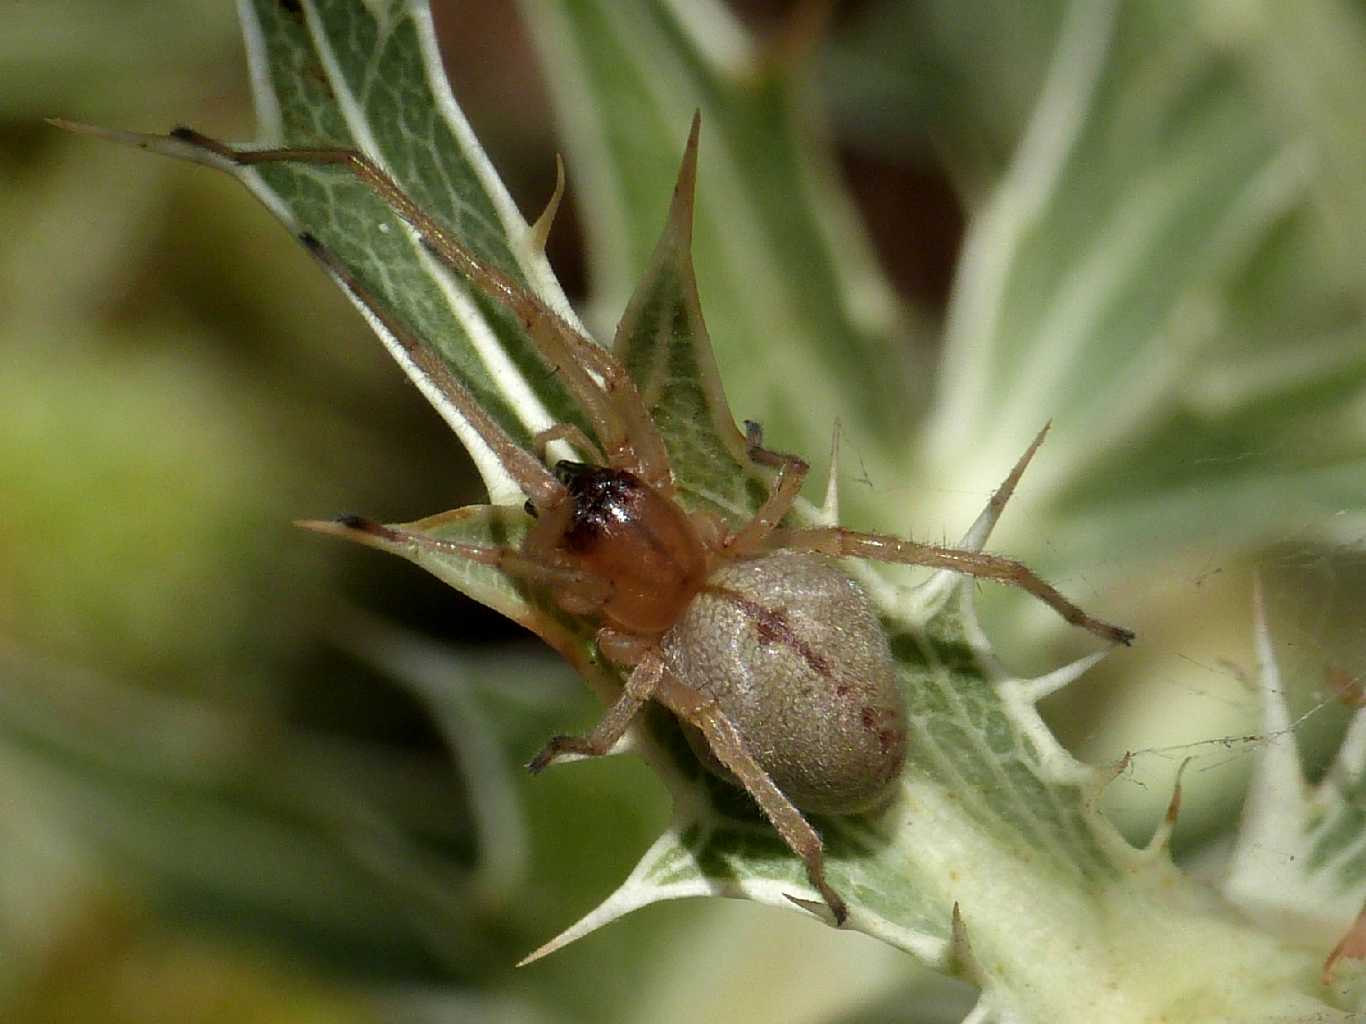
875, 719
772, 627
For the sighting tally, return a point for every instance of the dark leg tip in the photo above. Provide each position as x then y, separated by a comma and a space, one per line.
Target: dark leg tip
561, 745
829, 900
837, 906
1120, 635
548, 753
362, 525
354, 522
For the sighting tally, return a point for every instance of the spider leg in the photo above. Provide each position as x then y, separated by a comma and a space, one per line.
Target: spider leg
725, 741
534, 479
843, 543
583, 588
754, 447
566, 432
640, 687
749, 539
618, 415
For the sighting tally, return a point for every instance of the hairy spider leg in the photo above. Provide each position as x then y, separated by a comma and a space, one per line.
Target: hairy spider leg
534, 479
588, 590
842, 543
749, 539
754, 446
566, 432
728, 745
763, 534
619, 417
640, 687
651, 680
538, 561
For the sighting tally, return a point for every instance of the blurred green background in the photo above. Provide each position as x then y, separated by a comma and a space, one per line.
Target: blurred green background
227, 791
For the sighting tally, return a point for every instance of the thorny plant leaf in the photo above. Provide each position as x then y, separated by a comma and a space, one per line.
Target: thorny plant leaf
783, 266
662, 340
1299, 867
992, 861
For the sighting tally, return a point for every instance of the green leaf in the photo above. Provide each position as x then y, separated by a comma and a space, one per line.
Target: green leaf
663, 342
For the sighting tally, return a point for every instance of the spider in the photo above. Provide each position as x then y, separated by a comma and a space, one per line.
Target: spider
749, 633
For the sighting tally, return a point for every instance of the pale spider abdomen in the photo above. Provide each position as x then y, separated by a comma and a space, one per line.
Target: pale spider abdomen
791, 650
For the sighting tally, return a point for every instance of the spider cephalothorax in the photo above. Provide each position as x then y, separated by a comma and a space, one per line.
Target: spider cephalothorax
772, 657
621, 529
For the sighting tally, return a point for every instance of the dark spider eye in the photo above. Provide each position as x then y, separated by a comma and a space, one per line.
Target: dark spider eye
566, 471
529, 509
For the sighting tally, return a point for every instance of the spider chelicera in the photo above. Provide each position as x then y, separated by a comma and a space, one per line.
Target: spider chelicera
772, 657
